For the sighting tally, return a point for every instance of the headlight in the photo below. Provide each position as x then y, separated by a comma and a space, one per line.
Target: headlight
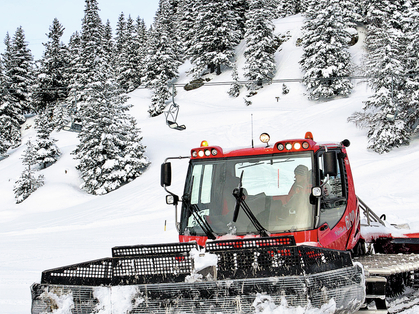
264, 138
316, 191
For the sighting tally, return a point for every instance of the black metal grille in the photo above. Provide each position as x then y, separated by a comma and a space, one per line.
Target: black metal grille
165, 263
161, 263
98, 272
273, 266
316, 260
345, 286
256, 257
153, 249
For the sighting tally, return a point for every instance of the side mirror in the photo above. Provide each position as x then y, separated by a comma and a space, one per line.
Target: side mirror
166, 174
330, 163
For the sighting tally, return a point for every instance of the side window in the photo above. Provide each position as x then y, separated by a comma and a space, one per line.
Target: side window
202, 178
333, 187
333, 200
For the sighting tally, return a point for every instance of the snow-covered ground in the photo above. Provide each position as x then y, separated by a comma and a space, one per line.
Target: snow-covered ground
60, 225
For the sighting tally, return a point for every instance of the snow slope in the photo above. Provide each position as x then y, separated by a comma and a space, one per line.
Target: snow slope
60, 224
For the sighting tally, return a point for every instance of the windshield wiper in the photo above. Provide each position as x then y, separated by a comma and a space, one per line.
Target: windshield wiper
193, 208
241, 203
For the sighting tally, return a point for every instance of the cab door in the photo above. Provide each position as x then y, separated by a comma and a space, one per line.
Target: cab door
333, 230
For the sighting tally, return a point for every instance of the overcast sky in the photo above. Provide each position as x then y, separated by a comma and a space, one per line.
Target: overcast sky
36, 16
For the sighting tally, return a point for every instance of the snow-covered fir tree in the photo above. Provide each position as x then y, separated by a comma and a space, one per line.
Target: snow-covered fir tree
235, 87
109, 44
288, 7
186, 18
90, 58
50, 88
351, 14
120, 33
141, 43
11, 112
260, 48
409, 104
384, 113
162, 60
274, 7
110, 153
45, 150
128, 64
27, 182
326, 60
216, 34
19, 69
75, 75
4, 134
239, 8
387, 129
107, 157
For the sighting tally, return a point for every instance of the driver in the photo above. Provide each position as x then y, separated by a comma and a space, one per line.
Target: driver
301, 181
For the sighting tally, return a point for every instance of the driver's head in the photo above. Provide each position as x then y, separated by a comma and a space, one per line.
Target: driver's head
301, 173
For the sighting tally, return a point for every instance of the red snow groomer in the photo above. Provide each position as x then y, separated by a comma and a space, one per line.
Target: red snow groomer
279, 221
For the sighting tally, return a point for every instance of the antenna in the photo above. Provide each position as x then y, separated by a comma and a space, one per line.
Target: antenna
251, 118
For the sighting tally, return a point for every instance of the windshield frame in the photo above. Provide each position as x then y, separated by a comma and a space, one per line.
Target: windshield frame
190, 196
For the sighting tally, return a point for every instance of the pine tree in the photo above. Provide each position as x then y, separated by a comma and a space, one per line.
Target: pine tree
4, 134
216, 34
19, 70
326, 60
27, 183
410, 29
141, 43
162, 61
91, 52
386, 130
239, 9
45, 149
107, 157
75, 77
235, 87
11, 113
110, 153
109, 45
120, 33
51, 84
185, 22
383, 111
288, 7
128, 64
351, 13
259, 53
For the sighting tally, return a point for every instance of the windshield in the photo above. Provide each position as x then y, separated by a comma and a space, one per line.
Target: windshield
277, 190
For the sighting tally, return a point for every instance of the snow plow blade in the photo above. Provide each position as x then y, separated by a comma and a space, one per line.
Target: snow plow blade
165, 279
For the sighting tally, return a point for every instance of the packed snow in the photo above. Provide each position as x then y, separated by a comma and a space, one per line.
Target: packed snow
59, 224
